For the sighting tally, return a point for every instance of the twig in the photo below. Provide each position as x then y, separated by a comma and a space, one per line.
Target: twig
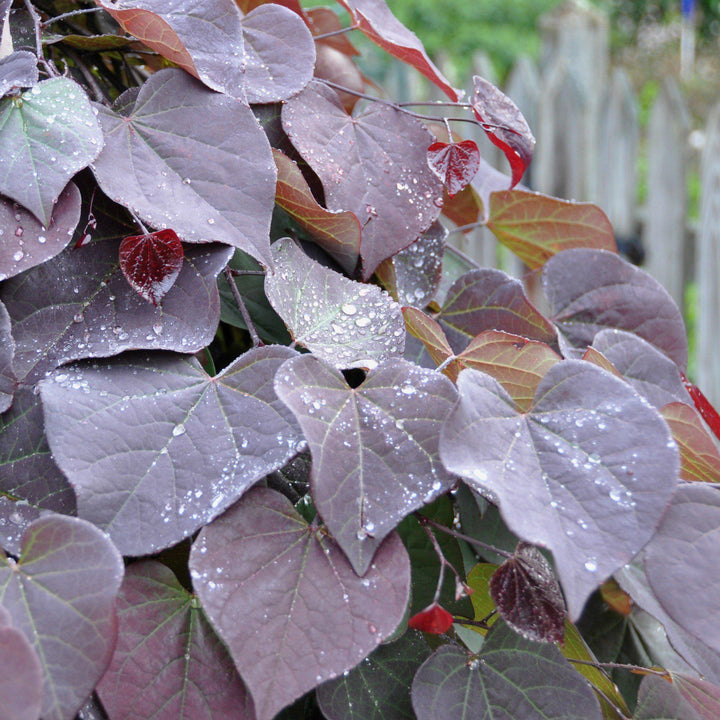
483, 624
445, 363
468, 539
243, 310
623, 666
66, 15
138, 221
469, 226
50, 69
89, 78
341, 31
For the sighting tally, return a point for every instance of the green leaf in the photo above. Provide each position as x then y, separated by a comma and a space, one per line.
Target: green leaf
47, 135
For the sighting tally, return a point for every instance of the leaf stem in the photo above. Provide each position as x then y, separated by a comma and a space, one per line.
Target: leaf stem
138, 221
89, 78
469, 226
50, 69
445, 363
623, 666
341, 31
66, 15
243, 309
475, 623
444, 562
468, 539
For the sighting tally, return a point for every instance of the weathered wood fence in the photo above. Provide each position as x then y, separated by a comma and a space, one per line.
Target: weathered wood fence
584, 115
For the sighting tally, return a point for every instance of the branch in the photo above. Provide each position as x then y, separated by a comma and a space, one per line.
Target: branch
243, 310
67, 15
468, 539
50, 69
341, 31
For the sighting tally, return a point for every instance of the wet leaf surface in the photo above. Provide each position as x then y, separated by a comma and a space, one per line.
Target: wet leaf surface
536, 227
374, 447
590, 466
346, 323
590, 290
18, 70
208, 181
455, 164
168, 663
81, 306
372, 164
7, 351
306, 616
155, 448
61, 595
41, 154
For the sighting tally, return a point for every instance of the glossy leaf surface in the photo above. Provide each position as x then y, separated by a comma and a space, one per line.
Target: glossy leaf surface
374, 447
379, 687
371, 164
81, 306
306, 616
208, 181
26, 242
168, 663
155, 448
18, 70
151, 263
61, 595
589, 290
590, 466
505, 125
338, 232
536, 227
513, 678
455, 164
346, 323
40, 156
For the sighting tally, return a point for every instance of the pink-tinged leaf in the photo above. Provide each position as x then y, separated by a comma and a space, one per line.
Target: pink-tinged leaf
590, 290
709, 413
517, 363
218, 177
367, 440
151, 263
528, 597
586, 473
155, 448
465, 208
80, 305
699, 457
61, 595
431, 335
168, 662
455, 164
26, 242
21, 675
536, 227
373, 164
595, 357
377, 22
505, 125
702, 696
280, 593
659, 697
434, 619
336, 232
512, 678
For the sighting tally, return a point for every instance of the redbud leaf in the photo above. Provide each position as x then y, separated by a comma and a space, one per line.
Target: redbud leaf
536, 227
505, 125
323, 20
456, 164
280, 593
151, 263
699, 457
528, 596
19, 69
434, 619
709, 413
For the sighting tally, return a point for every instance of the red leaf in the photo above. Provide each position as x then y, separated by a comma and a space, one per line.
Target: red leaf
151, 263
456, 164
433, 619
709, 413
505, 125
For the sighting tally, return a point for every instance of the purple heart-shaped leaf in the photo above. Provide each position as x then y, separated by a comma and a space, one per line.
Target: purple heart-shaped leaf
454, 163
587, 472
374, 447
287, 604
155, 448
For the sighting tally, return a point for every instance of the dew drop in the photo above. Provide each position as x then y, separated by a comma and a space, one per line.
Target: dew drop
591, 565
178, 430
349, 309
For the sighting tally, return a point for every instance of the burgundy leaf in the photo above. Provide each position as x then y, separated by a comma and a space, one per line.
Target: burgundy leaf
709, 413
151, 263
512, 678
589, 290
26, 242
155, 448
505, 125
373, 164
587, 472
18, 70
61, 594
383, 28
14, 520
433, 619
287, 604
374, 447
528, 597
185, 157
21, 675
168, 662
456, 164
80, 306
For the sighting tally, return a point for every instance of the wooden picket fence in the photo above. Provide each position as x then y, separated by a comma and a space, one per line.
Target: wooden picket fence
584, 115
